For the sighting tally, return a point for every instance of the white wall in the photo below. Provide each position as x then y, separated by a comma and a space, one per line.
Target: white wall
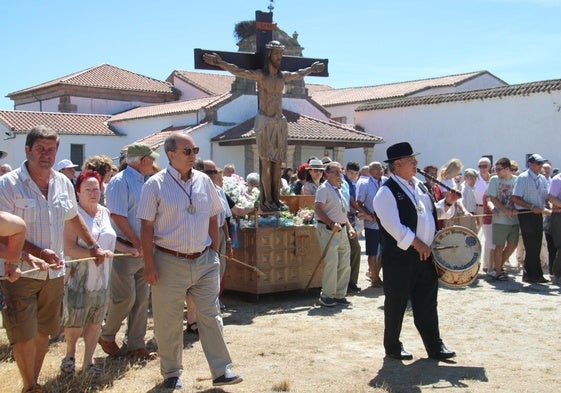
188, 91
512, 126
84, 105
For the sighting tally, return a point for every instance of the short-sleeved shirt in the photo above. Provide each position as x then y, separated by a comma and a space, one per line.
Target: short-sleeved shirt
165, 200
366, 190
502, 190
334, 203
44, 217
122, 196
555, 186
532, 188
480, 189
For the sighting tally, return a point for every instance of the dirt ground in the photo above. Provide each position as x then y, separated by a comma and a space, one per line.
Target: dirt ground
506, 335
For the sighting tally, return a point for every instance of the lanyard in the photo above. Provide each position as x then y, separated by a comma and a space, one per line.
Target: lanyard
191, 209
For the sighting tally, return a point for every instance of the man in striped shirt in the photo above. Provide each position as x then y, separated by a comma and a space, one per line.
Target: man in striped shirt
178, 210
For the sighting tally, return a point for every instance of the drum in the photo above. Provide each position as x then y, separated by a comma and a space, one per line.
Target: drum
456, 251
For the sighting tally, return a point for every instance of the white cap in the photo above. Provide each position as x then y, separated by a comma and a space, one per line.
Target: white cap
64, 164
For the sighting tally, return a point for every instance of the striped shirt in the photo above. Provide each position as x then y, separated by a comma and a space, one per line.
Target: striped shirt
165, 200
122, 196
44, 217
532, 188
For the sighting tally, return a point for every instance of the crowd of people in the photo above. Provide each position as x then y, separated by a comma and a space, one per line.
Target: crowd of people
60, 235
58, 239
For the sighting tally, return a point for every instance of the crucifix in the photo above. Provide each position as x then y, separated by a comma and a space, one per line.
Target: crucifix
270, 69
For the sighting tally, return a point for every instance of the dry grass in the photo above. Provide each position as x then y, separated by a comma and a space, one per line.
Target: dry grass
502, 332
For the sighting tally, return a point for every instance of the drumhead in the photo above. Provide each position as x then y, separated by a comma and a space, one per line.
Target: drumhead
456, 249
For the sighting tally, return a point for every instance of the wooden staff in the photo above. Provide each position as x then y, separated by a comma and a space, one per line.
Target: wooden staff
256, 270
321, 258
70, 261
434, 179
92, 258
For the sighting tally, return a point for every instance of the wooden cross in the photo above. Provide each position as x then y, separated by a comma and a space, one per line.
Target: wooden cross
264, 34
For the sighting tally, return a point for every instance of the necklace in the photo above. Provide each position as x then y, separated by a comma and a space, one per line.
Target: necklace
418, 205
191, 209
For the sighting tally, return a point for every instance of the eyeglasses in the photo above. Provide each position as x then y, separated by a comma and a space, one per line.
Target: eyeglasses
189, 150
316, 170
211, 172
498, 168
483, 166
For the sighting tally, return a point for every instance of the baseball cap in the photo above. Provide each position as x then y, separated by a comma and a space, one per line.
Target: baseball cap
63, 164
141, 150
536, 159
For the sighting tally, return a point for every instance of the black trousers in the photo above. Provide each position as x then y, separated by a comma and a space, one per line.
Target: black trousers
531, 227
406, 278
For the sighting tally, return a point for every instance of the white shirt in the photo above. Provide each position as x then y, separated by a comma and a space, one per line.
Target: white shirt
44, 217
385, 206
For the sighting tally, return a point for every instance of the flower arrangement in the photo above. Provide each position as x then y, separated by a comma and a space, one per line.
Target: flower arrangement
236, 188
305, 216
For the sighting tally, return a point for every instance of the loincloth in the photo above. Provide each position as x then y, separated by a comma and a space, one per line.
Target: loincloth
271, 135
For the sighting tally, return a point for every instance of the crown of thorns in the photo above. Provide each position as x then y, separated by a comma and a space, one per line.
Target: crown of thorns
274, 45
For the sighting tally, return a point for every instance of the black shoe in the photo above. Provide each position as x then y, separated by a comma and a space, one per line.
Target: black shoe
227, 379
342, 300
173, 383
327, 301
443, 354
542, 280
401, 355
353, 288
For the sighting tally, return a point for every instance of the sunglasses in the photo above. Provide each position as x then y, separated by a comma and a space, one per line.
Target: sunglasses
483, 166
188, 150
211, 172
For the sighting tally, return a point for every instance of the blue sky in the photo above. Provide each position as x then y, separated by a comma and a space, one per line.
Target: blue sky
367, 42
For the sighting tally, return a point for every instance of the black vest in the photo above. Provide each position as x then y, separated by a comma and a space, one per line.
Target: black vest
407, 216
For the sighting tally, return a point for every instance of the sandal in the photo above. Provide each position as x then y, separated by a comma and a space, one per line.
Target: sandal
93, 371
68, 366
191, 329
502, 277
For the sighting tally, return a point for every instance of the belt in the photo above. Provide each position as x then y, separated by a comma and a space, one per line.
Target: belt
328, 227
180, 254
479, 205
125, 241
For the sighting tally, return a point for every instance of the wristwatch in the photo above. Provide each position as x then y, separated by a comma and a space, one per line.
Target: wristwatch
94, 246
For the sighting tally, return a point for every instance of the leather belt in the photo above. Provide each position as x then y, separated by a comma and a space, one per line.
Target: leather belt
479, 205
328, 227
180, 254
125, 241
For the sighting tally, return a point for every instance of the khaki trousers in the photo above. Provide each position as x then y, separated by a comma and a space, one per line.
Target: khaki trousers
201, 277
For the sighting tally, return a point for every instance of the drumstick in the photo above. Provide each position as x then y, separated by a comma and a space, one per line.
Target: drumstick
256, 270
437, 248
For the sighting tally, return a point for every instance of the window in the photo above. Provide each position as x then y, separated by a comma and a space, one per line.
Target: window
77, 154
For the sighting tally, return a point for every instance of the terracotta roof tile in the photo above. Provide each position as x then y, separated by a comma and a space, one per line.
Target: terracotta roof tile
361, 94
157, 139
64, 123
213, 84
169, 108
482, 94
108, 77
302, 129
216, 84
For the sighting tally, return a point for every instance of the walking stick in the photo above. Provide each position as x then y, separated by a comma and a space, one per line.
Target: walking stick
321, 259
256, 270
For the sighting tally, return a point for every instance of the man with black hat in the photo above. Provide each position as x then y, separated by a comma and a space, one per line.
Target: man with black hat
129, 291
530, 199
408, 217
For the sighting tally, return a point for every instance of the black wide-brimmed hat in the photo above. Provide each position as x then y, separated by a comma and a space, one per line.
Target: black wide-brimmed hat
399, 150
